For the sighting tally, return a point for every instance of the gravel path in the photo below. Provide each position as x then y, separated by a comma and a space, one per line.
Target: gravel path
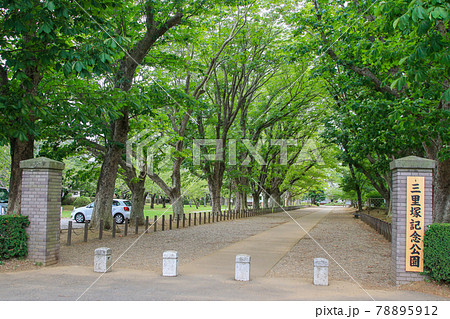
191, 243
359, 249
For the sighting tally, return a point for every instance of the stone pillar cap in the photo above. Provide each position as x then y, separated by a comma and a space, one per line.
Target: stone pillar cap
243, 258
103, 251
42, 162
320, 262
170, 254
412, 162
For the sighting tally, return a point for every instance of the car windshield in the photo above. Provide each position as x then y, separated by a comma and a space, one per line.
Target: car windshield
3, 195
127, 203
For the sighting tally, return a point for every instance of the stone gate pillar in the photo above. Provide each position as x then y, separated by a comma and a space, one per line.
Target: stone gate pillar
41, 202
412, 206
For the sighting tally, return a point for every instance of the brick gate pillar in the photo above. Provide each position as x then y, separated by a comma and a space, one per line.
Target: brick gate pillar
412, 206
41, 202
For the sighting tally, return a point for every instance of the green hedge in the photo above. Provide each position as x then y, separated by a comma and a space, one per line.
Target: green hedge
82, 201
13, 238
437, 252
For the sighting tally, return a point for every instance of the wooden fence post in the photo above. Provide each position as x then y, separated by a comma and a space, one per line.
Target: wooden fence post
86, 229
146, 223
69, 233
136, 231
126, 227
100, 230
170, 222
154, 223
114, 228
162, 222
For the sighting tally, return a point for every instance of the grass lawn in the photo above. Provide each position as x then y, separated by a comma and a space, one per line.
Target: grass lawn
158, 210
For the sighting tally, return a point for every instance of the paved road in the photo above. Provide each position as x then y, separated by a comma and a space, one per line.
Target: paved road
65, 223
207, 278
73, 283
265, 248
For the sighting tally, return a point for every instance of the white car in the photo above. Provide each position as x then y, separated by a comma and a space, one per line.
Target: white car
121, 209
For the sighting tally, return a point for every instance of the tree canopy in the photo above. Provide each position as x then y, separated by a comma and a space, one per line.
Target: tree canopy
268, 100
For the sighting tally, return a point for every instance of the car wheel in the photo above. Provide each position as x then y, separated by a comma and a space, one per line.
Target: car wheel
119, 218
79, 218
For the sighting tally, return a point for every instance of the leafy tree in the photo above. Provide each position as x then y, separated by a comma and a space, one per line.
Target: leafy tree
40, 40
5, 170
392, 60
316, 196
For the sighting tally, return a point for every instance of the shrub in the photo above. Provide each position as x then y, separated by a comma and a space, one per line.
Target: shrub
13, 238
68, 200
81, 201
437, 252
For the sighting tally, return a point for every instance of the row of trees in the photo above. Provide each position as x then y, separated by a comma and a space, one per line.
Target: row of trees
87, 79
386, 65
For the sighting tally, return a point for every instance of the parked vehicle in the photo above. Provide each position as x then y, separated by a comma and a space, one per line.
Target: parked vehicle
121, 209
4, 195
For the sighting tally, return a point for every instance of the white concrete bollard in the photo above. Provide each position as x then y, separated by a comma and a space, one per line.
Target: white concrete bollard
102, 259
170, 263
242, 269
320, 272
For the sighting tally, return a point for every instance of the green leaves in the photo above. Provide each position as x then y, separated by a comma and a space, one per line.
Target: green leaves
398, 83
402, 22
437, 252
46, 27
418, 13
13, 237
439, 13
49, 5
446, 95
104, 57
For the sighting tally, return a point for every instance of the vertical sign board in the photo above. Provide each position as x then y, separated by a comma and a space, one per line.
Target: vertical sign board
415, 226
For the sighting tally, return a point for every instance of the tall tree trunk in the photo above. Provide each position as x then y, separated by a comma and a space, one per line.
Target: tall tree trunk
240, 204
357, 187
177, 207
152, 201
138, 195
214, 189
19, 151
120, 127
441, 209
22, 150
108, 174
441, 187
265, 199
136, 184
256, 200
276, 197
215, 181
176, 196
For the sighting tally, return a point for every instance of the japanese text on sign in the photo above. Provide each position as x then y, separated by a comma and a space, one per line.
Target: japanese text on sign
415, 228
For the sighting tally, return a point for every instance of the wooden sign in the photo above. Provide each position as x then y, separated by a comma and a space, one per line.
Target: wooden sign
415, 226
